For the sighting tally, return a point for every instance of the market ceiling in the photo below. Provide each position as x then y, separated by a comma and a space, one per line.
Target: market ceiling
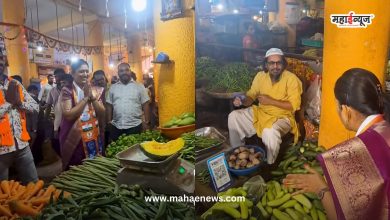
92, 10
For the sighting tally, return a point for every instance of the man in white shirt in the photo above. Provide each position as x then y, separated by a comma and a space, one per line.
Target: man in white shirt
127, 102
46, 89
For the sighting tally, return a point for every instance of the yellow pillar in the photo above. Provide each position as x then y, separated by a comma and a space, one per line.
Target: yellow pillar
33, 70
176, 81
17, 49
134, 44
345, 48
95, 38
271, 16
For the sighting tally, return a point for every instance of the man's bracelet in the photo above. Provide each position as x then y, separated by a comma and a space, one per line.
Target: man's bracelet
322, 192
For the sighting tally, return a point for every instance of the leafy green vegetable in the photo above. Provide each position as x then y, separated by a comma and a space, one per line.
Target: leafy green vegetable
126, 141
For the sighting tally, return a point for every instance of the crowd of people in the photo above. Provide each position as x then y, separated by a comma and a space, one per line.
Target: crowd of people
75, 114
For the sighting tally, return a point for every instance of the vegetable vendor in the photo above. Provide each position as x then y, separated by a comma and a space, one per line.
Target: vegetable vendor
278, 92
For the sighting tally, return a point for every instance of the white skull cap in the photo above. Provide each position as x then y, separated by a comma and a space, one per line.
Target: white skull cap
273, 51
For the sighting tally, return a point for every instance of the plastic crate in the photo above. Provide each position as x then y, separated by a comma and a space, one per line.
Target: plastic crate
312, 43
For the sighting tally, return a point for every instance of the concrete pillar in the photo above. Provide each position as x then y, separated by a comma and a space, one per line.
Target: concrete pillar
134, 44
346, 48
17, 49
176, 80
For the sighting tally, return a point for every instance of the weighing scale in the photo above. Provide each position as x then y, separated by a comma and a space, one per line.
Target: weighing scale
172, 176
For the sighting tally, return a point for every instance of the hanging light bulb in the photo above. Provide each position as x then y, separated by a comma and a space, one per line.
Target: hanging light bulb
73, 59
111, 65
125, 17
138, 5
107, 12
80, 5
39, 49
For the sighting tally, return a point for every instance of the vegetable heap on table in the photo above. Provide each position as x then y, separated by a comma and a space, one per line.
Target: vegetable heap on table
279, 203
184, 119
244, 157
295, 158
116, 202
203, 176
233, 77
96, 195
17, 200
93, 175
126, 141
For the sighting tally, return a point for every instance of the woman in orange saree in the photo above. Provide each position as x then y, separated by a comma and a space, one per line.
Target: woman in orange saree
82, 109
357, 171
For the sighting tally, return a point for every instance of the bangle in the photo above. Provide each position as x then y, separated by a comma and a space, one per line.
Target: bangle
322, 192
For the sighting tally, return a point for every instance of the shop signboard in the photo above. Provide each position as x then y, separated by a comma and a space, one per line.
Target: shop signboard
43, 57
219, 172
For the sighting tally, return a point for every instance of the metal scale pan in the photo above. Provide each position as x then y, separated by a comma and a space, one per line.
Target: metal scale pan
209, 132
134, 159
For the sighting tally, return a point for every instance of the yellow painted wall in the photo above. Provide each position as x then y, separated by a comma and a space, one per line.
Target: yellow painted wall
33, 70
134, 44
17, 50
175, 81
345, 48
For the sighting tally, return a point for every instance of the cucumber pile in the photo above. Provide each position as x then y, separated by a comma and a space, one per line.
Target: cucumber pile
231, 210
184, 119
278, 203
295, 158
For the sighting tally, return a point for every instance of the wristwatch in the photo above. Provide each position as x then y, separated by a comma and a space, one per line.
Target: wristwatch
322, 192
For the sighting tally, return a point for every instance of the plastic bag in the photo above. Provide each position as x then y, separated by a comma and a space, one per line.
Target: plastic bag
313, 97
255, 187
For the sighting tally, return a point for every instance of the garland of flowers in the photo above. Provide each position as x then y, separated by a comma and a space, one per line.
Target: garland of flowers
34, 36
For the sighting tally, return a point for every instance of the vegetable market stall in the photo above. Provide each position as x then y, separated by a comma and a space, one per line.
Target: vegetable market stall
94, 189
265, 199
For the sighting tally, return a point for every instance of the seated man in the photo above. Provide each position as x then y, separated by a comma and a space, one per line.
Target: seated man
278, 92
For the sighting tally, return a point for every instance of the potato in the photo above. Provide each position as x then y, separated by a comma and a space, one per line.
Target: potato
232, 157
237, 167
237, 151
242, 149
251, 157
255, 161
243, 155
249, 165
243, 163
232, 164
258, 154
252, 150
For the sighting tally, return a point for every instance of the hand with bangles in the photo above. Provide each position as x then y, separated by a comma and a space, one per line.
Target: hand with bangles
312, 182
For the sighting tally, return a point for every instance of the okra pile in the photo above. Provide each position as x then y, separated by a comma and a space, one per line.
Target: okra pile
296, 157
118, 203
93, 175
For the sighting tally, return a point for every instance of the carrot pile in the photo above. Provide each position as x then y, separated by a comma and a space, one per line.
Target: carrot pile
17, 200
